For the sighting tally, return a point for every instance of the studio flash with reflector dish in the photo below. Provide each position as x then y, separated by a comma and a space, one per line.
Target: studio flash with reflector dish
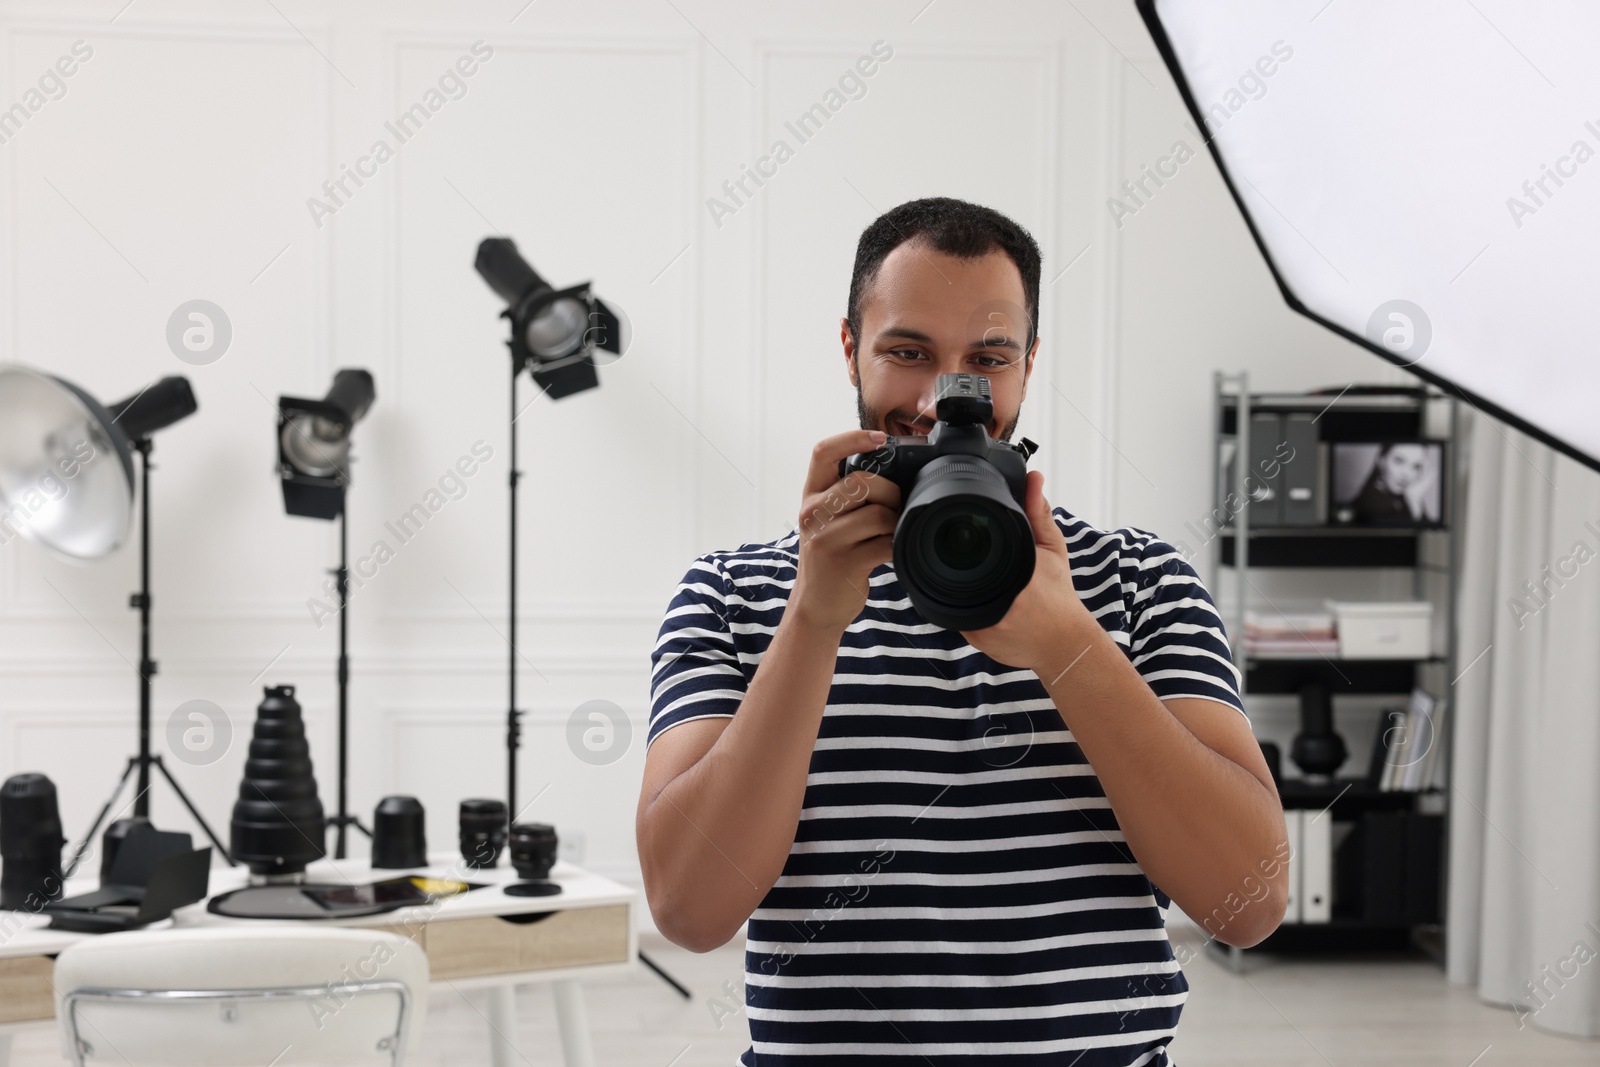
67, 483
66, 461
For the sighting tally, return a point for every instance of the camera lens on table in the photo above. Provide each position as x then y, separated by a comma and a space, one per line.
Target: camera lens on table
533, 849
483, 831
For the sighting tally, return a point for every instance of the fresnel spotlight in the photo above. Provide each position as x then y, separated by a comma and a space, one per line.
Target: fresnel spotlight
554, 332
314, 444
314, 465
556, 335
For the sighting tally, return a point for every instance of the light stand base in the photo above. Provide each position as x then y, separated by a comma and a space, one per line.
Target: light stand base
339, 822
143, 764
665, 977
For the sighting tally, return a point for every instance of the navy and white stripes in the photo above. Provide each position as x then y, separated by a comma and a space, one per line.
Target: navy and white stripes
958, 890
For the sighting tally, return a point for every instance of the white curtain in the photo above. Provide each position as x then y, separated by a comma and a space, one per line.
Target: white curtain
1524, 864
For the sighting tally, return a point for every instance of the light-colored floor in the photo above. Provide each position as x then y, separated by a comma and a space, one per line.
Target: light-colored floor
1282, 1011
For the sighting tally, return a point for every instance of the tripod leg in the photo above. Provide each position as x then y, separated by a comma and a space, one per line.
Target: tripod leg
88, 838
339, 822
178, 789
665, 977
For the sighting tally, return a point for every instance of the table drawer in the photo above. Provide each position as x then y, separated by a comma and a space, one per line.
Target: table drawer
496, 944
25, 989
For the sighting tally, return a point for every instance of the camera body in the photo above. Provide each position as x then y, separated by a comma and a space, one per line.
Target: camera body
963, 546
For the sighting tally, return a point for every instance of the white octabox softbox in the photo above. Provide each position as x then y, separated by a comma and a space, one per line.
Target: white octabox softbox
1423, 178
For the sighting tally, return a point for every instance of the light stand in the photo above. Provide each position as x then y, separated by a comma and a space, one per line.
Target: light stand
342, 818
158, 406
554, 336
513, 716
147, 668
313, 461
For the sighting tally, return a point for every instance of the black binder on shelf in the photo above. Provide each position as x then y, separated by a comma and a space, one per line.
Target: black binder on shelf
1261, 479
1301, 476
1388, 868
1424, 866
1392, 720
1371, 869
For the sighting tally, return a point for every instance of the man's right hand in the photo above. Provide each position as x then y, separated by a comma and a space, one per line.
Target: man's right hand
846, 531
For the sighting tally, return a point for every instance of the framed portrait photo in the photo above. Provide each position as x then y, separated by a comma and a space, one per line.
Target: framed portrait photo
1387, 483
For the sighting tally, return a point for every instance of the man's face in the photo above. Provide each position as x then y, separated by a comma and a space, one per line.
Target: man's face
927, 314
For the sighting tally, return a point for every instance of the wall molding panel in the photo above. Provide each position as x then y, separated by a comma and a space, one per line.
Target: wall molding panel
187, 160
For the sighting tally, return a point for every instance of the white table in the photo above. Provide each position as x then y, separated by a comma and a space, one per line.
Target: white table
473, 941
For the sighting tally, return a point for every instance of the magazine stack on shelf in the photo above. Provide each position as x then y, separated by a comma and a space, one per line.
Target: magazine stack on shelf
1291, 634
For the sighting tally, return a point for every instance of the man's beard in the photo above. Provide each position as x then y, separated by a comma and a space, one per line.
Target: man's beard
872, 420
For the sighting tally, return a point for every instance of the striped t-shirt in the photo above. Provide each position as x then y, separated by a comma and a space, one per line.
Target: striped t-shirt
958, 890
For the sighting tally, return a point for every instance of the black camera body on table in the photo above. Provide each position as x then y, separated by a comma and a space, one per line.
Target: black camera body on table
963, 546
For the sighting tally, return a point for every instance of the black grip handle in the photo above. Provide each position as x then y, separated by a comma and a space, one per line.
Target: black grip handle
352, 392
155, 407
508, 274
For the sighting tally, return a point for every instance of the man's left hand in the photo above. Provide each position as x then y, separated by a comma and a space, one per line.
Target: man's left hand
1036, 631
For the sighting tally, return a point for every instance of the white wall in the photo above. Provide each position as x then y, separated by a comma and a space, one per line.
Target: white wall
179, 163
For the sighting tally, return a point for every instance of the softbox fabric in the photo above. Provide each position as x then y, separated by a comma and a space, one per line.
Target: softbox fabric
1423, 178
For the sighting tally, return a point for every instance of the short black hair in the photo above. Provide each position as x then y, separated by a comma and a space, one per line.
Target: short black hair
954, 227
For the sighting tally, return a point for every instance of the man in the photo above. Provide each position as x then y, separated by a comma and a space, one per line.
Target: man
950, 847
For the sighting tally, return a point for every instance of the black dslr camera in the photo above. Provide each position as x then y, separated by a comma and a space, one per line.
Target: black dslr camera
963, 547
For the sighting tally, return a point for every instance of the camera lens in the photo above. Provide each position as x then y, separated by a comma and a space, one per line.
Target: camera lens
533, 849
964, 548
960, 557
483, 831
30, 842
963, 541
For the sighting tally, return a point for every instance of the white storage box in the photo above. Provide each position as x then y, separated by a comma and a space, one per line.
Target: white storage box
1400, 629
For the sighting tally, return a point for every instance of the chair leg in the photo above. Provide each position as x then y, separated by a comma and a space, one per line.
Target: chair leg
503, 1026
574, 1023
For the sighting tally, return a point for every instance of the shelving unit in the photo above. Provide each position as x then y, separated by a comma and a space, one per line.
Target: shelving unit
1430, 554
